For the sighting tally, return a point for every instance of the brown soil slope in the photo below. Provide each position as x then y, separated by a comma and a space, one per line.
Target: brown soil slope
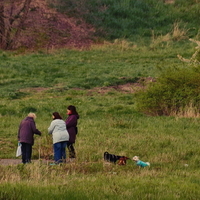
47, 28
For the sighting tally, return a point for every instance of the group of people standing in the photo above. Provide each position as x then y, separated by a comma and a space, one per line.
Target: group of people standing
63, 134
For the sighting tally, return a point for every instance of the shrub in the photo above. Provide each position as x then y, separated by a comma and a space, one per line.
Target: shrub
174, 91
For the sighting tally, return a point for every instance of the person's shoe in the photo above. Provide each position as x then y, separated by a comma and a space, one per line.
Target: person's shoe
52, 164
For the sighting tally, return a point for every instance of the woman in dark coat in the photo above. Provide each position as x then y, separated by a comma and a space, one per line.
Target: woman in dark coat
26, 131
71, 124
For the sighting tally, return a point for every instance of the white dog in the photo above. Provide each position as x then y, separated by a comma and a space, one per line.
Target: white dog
139, 162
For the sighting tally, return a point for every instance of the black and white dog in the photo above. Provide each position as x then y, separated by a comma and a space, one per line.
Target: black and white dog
115, 158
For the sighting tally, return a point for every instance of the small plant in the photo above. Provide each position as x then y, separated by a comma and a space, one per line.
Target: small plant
178, 33
195, 59
189, 111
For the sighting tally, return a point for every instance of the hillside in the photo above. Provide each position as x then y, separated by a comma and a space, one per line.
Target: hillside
47, 28
78, 23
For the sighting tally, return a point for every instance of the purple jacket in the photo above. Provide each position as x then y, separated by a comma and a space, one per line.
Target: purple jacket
71, 124
27, 129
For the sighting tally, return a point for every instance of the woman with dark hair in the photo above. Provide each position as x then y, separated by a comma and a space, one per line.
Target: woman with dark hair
71, 124
60, 137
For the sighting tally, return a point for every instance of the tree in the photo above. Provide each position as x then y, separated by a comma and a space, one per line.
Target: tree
13, 14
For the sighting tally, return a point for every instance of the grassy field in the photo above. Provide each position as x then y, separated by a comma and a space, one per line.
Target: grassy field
47, 82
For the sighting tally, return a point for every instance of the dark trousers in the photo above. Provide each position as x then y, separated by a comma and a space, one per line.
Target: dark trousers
26, 152
72, 153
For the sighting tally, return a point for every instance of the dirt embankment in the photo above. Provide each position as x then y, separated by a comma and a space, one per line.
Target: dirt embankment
46, 28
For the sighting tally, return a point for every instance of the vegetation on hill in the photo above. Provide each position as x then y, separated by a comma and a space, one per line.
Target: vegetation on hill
131, 19
79, 23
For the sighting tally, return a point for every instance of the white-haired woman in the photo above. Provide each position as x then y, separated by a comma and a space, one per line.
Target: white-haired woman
27, 129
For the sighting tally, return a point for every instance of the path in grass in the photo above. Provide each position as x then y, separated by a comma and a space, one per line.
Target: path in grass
19, 161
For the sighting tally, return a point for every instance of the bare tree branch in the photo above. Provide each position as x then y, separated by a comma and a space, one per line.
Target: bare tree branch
2, 26
8, 37
24, 11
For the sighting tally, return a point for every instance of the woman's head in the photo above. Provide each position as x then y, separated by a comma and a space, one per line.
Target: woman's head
56, 115
33, 115
71, 110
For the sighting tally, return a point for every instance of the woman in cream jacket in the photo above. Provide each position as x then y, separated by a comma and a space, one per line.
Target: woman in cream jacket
60, 137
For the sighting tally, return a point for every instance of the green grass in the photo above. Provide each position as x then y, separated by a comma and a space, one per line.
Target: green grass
131, 19
108, 122
85, 69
